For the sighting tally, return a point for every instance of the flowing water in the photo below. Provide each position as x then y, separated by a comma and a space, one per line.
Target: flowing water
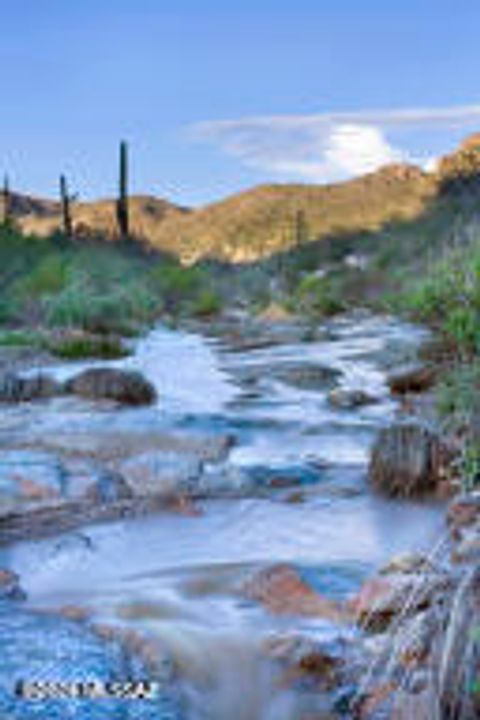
176, 578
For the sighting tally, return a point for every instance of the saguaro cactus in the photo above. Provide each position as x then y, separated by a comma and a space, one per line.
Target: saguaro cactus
65, 202
5, 204
300, 228
122, 202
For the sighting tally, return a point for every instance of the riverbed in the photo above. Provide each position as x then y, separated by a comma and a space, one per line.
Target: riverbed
299, 496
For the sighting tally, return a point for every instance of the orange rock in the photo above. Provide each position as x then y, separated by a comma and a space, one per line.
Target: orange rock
74, 612
183, 505
33, 491
281, 590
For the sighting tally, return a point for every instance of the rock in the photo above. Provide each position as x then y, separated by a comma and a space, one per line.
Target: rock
108, 488
346, 399
464, 511
407, 563
305, 376
124, 386
281, 590
407, 460
381, 599
162, 474
14, 388
412, 379
10, 586
467, 550
27, 475
302, 657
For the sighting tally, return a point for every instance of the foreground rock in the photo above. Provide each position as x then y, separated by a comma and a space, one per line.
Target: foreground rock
408, 460
383, 599
122, 386
282, 591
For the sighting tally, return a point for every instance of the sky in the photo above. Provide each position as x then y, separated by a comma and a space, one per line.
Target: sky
214, 96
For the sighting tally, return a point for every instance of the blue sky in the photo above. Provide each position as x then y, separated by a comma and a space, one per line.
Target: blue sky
310, 90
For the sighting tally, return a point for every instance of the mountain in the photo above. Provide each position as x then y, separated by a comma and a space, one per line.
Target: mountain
96, 218
266, 219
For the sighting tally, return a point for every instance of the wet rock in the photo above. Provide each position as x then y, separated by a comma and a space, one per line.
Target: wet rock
412, 379
122, 386
14, 388
306, 377
109, 487
464, 511
467, 550
30, 476
162, 474
224, 479
282, 591
407, 460
10, 588
346, 399
407, 563
303, 659
381, 599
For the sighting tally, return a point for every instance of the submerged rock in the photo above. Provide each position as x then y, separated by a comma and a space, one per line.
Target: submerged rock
123, 386
10, 588
346, 399
407, 460
161, 474
305, 376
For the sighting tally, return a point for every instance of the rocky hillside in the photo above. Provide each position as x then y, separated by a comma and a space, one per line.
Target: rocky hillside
95, 218
268, 218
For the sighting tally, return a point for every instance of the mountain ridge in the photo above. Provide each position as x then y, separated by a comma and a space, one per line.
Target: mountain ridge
260, 221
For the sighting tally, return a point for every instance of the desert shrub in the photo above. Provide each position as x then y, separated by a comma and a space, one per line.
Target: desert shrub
208, 303
48, 277
87, 346
316, 295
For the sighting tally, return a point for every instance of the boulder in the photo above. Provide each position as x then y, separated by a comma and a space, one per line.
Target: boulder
10, 586
14, 388
407, 460
282, 591
381, 599
123, 386
347, 399
412, 379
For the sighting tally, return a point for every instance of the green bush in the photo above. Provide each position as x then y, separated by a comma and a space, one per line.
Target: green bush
207, 304
87, 346
317, 296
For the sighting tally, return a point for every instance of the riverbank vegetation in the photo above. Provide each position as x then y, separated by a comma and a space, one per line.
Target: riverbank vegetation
49, 287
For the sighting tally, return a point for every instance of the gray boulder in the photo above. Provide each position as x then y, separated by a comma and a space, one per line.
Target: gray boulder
123, 386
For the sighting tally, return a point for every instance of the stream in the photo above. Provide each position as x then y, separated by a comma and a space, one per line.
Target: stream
298, 471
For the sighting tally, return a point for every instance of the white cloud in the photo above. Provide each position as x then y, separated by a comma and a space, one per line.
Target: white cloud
328, 147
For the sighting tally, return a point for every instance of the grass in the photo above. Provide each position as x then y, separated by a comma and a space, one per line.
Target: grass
100, 289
